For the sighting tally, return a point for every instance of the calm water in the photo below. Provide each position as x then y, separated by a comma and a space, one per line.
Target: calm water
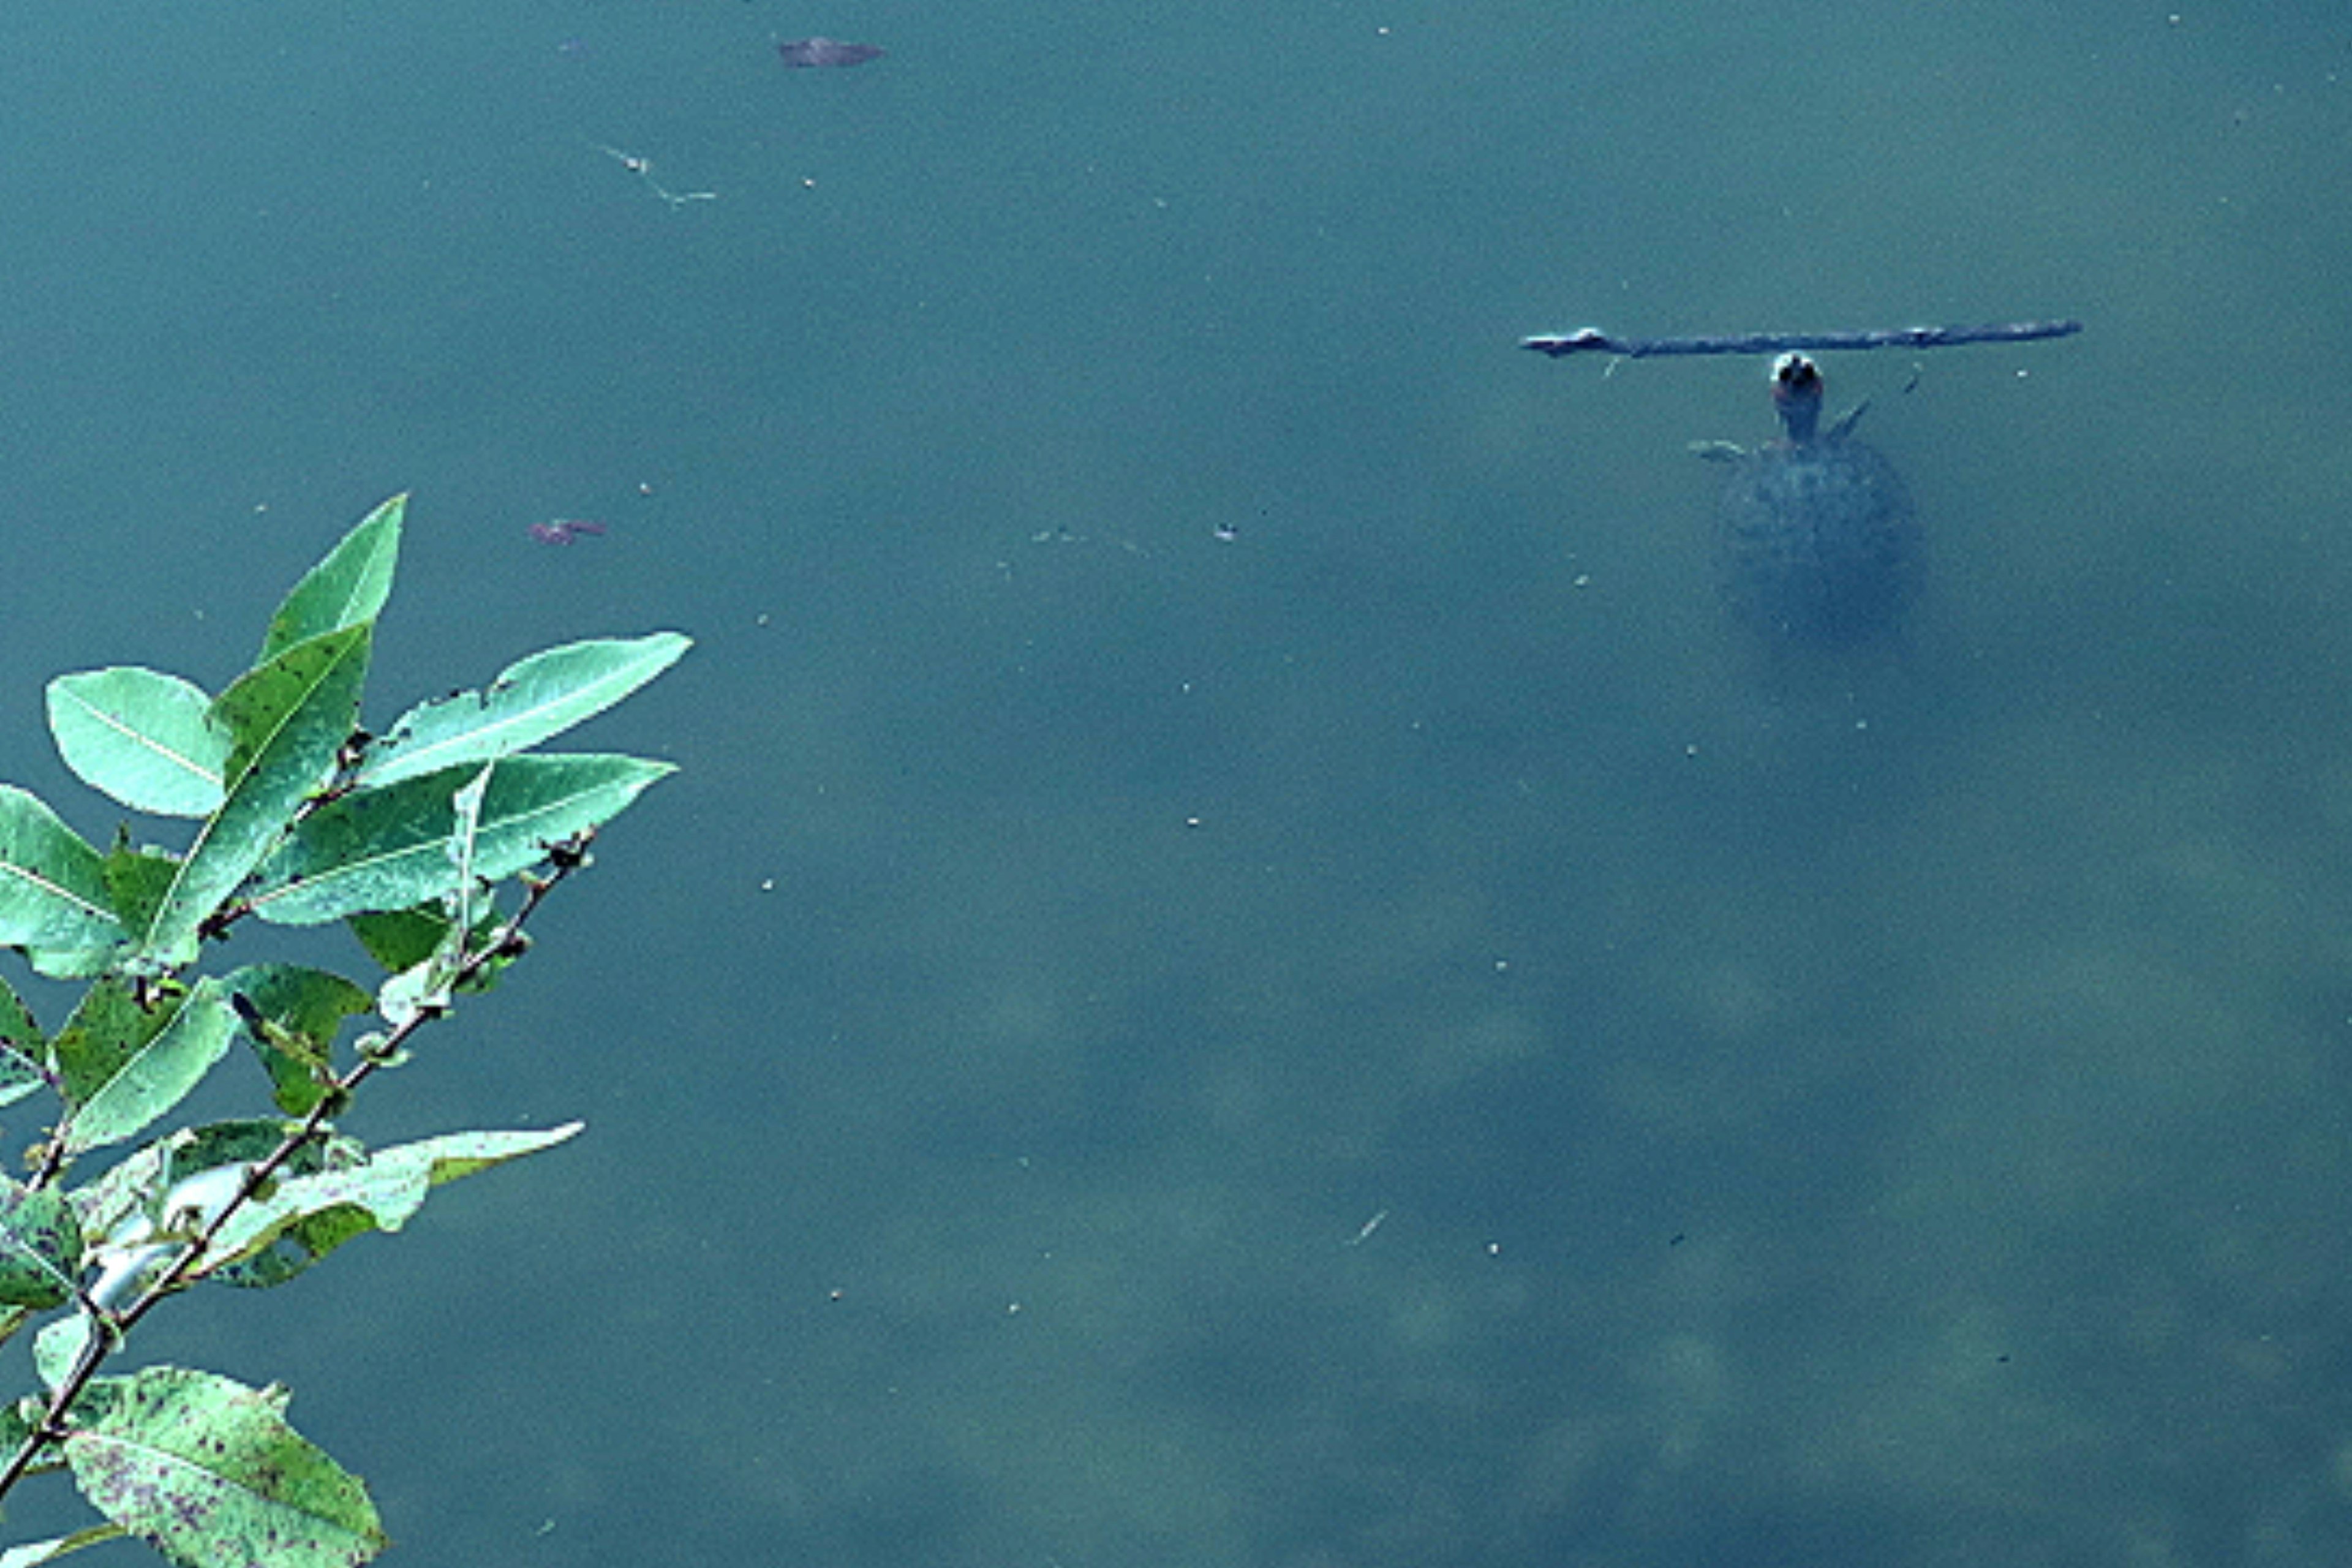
1242, 973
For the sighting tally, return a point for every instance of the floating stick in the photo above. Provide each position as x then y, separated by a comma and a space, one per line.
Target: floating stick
1592, 340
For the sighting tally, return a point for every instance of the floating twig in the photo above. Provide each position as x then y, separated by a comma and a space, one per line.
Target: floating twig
1592, 340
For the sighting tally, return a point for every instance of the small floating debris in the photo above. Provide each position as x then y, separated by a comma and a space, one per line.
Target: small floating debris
802, 53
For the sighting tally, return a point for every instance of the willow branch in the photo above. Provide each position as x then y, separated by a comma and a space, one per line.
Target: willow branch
109, 1328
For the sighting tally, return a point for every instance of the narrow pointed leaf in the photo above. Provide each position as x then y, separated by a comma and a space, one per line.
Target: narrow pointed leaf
52, 884
543, 696
287, 718
209, 1471
389, 848
271, 1239
347, 588
150, 1080
140, 737
465, 833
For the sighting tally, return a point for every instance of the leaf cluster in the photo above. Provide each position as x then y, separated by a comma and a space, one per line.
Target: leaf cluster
434, 842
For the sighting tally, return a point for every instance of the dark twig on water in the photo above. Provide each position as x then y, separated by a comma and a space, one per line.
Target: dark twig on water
1592, 340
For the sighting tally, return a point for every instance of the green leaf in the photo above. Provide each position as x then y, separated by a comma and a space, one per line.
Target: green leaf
543, 696
346, 589
20, 1072
71, 962
293, 1249
209, 1471
137, 880
401, 939
59, 1345
40, 1246
19, 1419
52, 884
293, 1016
389, 848
140, 737
21, 1048
271, 1239
269, 706
286, 719
33, 1553
112, 1020
112, 1103
16, 1026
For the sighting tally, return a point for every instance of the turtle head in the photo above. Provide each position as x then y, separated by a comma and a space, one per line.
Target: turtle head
1797, 396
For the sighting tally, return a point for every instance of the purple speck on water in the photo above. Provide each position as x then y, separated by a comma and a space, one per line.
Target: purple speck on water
801, 52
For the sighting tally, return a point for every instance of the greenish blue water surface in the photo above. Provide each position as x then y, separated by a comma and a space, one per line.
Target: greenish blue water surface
1243, 972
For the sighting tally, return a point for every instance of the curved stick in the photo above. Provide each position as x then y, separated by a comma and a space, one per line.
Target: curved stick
1592, 340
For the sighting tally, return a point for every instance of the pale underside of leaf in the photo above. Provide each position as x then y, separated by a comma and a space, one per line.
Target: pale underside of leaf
141, 737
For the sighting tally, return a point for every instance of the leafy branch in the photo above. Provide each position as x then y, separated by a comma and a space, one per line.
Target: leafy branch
302, 818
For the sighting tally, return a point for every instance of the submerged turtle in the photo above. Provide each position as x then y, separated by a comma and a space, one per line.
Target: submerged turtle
1820, 544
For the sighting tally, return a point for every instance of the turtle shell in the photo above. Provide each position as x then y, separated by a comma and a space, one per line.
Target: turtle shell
1819, 543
